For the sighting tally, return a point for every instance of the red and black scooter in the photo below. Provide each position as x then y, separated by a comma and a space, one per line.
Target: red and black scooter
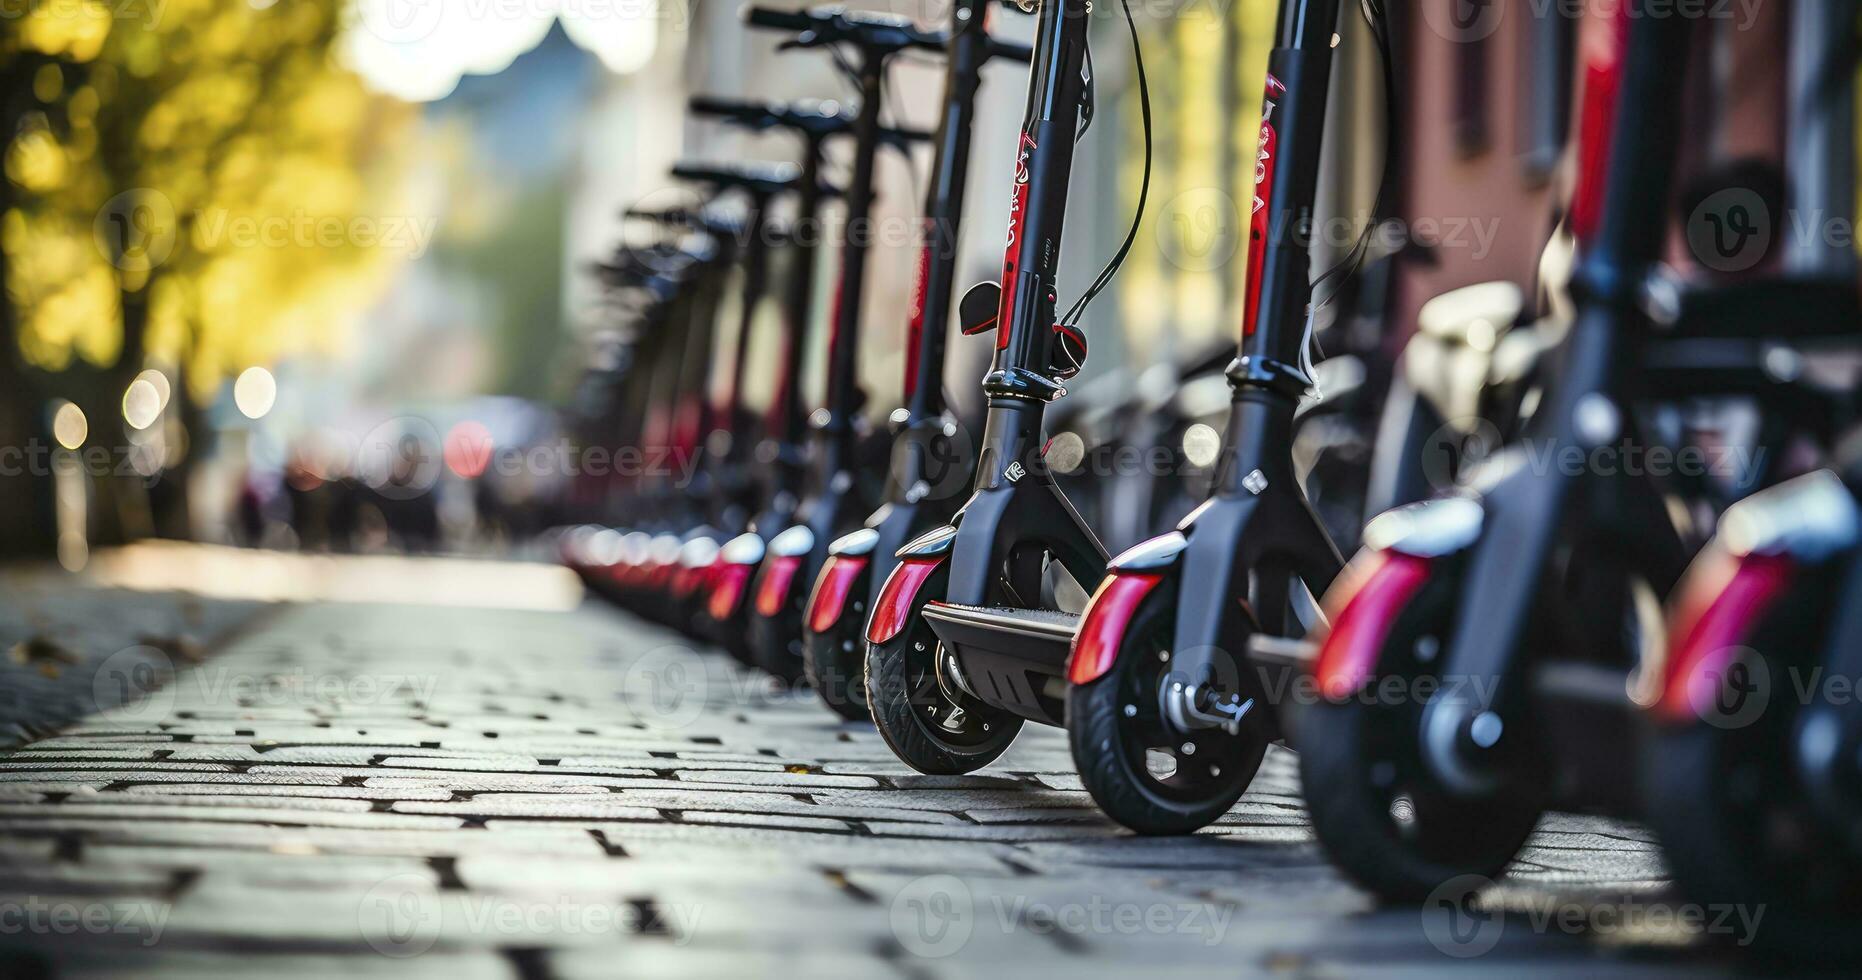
926, 469
839, 493
1167, 719
1753, 771
959, 651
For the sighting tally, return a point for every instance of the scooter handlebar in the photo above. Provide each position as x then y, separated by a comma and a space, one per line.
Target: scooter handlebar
781, 20
736, 109
827, 25
767, 177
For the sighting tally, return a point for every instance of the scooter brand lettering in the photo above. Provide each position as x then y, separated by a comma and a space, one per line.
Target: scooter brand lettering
915, 328
1018, 212
1259, 219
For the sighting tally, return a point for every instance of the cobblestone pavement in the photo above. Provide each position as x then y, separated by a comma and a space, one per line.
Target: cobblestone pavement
416, 790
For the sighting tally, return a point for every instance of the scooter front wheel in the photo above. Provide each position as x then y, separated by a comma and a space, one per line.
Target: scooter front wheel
929, 728
1377, 809
1739, 833
835, 660
1141, 769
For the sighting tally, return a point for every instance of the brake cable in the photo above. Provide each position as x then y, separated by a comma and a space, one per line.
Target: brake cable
1144, 188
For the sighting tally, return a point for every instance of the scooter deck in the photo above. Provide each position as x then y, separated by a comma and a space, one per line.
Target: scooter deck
1014, 659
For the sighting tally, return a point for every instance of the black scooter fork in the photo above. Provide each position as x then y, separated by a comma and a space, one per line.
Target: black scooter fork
1245, 549
1167, 720
1522, 518
919, 492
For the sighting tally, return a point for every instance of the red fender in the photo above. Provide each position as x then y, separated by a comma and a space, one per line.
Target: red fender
729, 579
1717, 607
1096, 645
894, 608
772, 586
829, 598
1363, 607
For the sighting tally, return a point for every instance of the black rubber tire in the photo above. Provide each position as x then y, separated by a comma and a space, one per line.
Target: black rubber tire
1098, 732
731, 635
890, 672
776, 643
1342, 744
835, 661
1719, 798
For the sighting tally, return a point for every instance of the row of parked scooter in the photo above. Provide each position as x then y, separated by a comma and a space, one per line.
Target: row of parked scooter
1543, 613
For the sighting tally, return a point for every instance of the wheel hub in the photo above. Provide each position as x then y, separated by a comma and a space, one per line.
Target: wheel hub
1196, 707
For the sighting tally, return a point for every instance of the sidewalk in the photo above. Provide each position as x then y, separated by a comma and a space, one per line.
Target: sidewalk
415, 790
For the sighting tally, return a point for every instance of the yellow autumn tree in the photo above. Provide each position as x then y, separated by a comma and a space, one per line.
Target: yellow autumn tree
183, 179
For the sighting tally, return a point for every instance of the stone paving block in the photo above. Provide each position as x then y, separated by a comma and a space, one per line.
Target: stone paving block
285, 812
288, 868
809, 781
582, 808
697, 962
764, 820
236, 965
27, 770
229, 791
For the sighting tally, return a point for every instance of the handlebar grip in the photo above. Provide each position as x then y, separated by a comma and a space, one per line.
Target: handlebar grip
711, 105
774, 19
1011, 51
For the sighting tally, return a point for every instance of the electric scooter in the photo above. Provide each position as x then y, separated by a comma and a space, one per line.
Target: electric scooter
1751, 768
1488, 654
1166, 718
960, 651
925, 467
1751, 772
792, 556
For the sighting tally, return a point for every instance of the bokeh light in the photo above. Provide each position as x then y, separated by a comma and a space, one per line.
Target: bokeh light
468, 449
69, 426
255, 392
142, 404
